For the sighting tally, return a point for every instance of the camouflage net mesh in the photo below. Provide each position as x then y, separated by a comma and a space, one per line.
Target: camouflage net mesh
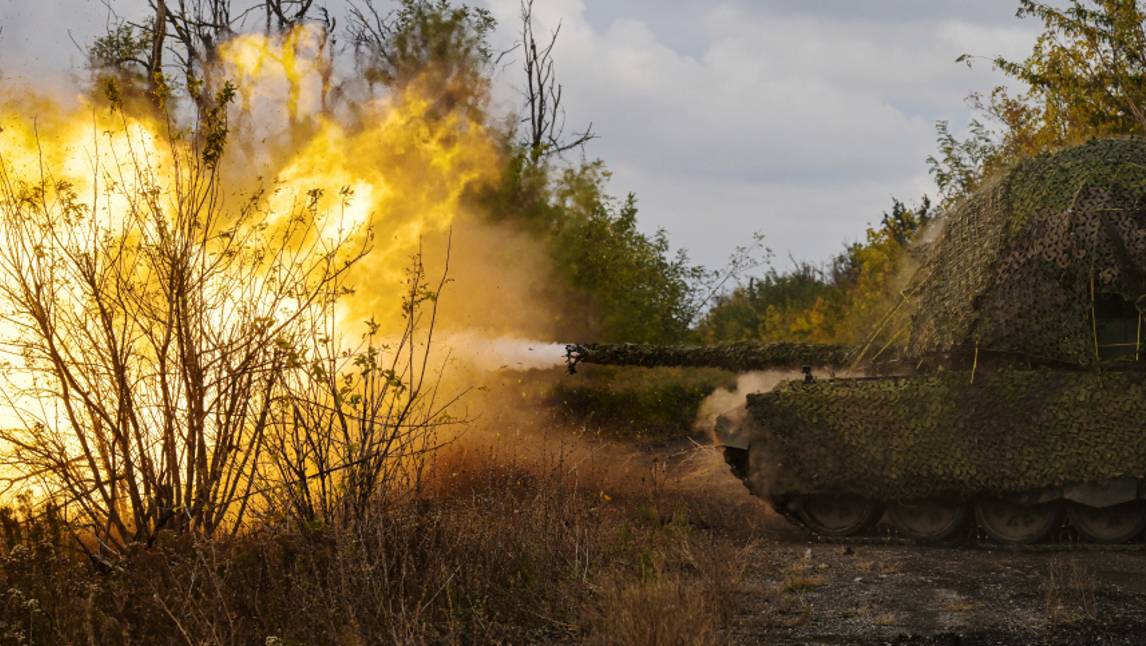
917, 437
1017, 264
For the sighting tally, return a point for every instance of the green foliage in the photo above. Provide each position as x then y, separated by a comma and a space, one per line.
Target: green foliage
1085, 78
627, 283
1086, 74
442, 45
902, 223
960, 165
119, 62
215, 127
772, 307
638, 404
121, 48
616, 282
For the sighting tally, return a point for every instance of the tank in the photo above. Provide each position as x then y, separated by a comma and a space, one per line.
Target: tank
1002, 396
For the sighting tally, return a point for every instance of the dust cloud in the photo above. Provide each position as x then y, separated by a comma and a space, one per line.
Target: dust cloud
731, 404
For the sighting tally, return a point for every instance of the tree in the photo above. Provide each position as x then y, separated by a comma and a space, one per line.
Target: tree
1085, 78
837, 303
960, 165
788, 306
624, 285
444, 47
135, 54
354, 427
124, 61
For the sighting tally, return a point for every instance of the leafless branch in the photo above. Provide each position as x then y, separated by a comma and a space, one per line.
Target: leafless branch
543, 94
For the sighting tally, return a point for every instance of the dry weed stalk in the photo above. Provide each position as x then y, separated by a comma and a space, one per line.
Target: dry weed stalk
1069, 592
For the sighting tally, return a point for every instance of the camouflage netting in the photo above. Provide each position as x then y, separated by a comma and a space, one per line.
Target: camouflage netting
738, 357
917, 437
1014, 268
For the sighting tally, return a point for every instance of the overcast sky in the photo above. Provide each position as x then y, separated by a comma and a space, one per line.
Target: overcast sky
799, 119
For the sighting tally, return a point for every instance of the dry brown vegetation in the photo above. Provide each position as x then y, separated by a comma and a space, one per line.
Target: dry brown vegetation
498, 547
1069, 591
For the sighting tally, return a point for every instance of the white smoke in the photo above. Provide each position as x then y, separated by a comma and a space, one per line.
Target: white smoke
501, 353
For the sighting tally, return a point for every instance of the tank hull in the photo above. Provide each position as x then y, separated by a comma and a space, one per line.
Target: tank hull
1023, 436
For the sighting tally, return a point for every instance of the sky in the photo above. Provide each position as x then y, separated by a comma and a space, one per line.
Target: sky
796, 119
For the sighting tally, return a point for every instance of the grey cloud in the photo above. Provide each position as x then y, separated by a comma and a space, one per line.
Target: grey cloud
793, 117
797, 119
995, 12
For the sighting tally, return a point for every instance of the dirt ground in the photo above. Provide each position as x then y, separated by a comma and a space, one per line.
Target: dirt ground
902, 594
883, 590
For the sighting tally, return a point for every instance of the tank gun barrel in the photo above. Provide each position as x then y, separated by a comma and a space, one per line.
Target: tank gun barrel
738, 357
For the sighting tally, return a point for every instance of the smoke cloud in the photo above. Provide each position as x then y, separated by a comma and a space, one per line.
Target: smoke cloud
731, 404
502, 353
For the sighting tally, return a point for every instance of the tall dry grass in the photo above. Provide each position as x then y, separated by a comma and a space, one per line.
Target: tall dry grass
499, 548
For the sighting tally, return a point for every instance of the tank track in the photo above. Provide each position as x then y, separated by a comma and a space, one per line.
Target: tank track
886, 535
970, 536
1062, 538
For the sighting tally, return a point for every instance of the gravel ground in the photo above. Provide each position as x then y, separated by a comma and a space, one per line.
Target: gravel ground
813, 593
884, 590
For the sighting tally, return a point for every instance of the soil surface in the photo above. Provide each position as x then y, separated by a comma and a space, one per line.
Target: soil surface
881, 591
886, 590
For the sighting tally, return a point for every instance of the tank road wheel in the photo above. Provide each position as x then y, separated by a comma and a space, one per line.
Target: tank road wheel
1114, 524
838, 515
928, 520
1015, 523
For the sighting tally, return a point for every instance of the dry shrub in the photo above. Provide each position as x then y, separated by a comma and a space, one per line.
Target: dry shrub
499, 548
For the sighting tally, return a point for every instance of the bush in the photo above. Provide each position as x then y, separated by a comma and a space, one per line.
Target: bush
643, 404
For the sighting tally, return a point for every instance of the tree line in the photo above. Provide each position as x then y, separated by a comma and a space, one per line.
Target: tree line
1083, 79
617, 282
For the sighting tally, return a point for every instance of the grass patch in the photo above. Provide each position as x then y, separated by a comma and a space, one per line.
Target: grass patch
960, 605
641, 404
801, 577
495, 549
885, 619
